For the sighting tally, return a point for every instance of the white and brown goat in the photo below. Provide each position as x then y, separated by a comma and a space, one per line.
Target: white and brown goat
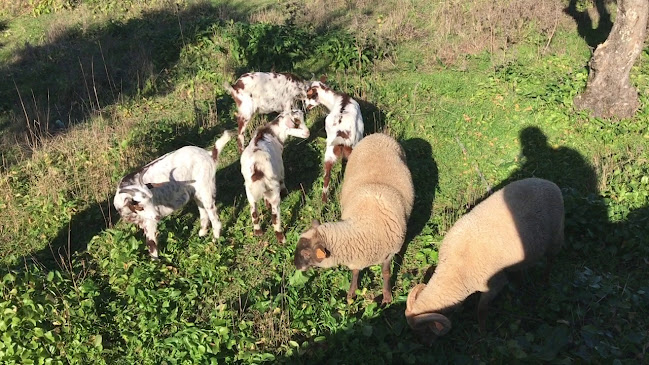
264, 92
344, 125
262, 166
166, 184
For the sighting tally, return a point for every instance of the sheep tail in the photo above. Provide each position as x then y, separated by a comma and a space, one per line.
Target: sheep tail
220, 143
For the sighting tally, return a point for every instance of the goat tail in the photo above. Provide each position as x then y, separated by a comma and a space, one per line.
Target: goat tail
228, 87
220, 143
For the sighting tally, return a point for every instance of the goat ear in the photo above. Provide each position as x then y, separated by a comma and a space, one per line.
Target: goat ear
132, 205
315, 223
152, 186
323, 79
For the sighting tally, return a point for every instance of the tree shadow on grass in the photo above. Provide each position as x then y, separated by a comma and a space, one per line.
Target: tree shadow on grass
592, 36
78, 72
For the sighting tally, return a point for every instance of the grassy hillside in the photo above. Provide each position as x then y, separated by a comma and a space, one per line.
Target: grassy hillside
478, 93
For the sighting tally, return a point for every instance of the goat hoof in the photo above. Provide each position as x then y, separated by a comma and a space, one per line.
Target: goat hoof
202, 232
280, 237
258, 232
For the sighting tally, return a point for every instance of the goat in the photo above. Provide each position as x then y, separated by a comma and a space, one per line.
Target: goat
344, 125
264, 92
166, 184
263, 169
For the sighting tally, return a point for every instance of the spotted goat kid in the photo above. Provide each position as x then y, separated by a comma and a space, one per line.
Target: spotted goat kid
264, 92
166, 184
262, 166
344, 125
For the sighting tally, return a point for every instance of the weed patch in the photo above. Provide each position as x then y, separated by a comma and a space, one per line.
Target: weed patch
130, 81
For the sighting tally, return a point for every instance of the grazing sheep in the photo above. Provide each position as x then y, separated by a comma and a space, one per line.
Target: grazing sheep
262, 166
344, 125
376, 200
165, 185
264, 92
510, 230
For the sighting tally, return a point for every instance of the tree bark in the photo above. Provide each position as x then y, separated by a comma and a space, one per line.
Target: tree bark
609, 92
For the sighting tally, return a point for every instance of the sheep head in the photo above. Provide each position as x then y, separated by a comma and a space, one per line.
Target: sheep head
437, 323
311, 250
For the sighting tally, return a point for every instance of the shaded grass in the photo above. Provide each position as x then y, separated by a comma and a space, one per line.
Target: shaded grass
465, 129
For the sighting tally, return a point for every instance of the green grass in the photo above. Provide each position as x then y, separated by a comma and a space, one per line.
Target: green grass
466, 128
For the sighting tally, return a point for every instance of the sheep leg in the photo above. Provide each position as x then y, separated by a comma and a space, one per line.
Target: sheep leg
548, 268
353, 286
330, 159
496, 283
274, 201
150, 231
387, 292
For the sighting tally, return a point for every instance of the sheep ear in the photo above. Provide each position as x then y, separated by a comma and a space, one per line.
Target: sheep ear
437, 323
315, 223
414, 293
323, 79
321, 253
440, 327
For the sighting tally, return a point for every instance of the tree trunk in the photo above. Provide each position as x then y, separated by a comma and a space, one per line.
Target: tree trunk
609, 92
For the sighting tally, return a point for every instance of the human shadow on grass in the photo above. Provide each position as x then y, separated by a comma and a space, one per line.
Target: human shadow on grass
577, 180
592, 36
387, 338
586, 214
